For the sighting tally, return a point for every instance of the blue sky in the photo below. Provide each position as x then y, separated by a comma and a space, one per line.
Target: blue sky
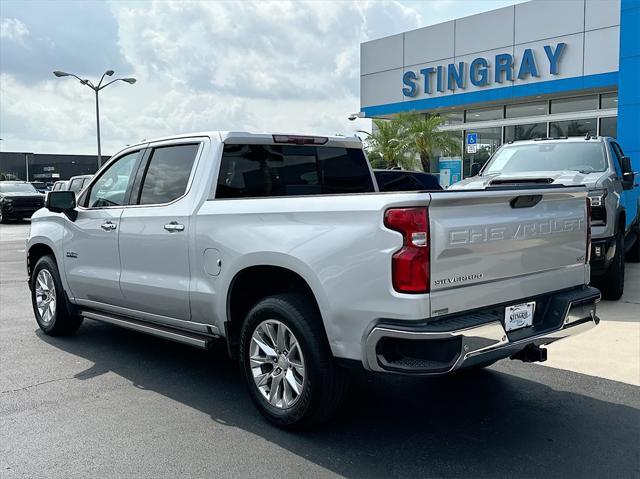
286, 66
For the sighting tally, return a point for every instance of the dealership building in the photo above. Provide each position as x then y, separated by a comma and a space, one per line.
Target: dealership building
536, 69
45, 167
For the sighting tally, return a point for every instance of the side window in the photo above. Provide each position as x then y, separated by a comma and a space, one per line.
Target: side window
76, 185
111, 187
167, 174
398, 182
427, 182
617, 158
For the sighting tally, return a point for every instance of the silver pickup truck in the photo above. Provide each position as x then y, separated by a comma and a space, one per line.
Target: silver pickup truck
283, 246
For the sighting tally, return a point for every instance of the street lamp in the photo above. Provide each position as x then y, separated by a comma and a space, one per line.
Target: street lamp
96, 89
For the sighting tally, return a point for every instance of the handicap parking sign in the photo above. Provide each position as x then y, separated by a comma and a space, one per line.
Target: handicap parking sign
472, 138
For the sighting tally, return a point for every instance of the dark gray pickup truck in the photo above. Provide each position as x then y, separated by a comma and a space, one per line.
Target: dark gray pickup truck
595, 162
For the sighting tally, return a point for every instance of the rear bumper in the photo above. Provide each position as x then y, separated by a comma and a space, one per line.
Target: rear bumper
448, 344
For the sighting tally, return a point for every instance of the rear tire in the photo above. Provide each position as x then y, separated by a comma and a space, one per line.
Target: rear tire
611, 284
303, 392
54, 314
3, 218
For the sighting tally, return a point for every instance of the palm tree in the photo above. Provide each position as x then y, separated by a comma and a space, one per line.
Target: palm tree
424, 130
389, 145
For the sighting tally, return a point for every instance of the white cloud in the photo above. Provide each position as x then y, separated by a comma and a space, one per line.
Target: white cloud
280, 66
13, 29
277, 50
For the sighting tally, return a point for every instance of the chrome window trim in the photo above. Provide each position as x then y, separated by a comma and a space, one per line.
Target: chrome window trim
158, 144
96, 176
196, 161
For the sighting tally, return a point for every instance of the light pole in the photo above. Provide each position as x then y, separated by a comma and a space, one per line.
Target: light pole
96, 89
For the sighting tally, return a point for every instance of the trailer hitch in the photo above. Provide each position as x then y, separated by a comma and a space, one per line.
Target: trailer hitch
531, 354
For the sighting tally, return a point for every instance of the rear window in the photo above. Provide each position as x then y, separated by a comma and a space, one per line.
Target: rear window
288, 170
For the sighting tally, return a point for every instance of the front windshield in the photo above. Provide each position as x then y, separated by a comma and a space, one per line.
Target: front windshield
17, 188
558, 156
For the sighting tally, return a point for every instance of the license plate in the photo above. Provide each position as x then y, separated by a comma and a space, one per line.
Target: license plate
519, 315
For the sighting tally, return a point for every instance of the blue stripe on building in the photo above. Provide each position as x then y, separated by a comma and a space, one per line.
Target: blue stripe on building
516, 91
629, 81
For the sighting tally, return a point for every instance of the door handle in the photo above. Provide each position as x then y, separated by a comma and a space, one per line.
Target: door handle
108, 226
173, 227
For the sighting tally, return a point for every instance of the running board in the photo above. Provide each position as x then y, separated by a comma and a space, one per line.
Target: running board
199, 341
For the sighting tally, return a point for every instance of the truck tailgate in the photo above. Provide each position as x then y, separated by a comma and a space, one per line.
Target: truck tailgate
495, 246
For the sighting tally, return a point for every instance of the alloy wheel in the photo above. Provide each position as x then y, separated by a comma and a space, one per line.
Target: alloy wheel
45, 296
277, 363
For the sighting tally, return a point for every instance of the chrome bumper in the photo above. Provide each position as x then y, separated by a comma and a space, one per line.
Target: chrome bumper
481, 343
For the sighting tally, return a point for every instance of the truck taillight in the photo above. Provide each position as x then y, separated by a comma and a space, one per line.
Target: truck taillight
587, 256
410, 264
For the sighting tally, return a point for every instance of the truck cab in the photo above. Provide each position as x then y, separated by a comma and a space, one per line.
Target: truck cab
595, 162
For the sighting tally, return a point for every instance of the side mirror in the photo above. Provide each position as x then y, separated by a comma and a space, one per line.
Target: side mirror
475, 169
62, 202
627, 173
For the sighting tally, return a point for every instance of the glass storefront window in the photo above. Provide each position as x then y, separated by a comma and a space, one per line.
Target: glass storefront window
609, 100
609, 126
484, 114
13, 166
527, 131
454, 117
489, 139
527, 109
434, 165
578, 103
573, 127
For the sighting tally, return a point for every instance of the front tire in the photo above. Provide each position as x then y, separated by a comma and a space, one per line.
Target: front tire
53, 312
287, 363
611, 284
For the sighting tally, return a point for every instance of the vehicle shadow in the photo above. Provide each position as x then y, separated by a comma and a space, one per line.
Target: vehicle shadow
486, 423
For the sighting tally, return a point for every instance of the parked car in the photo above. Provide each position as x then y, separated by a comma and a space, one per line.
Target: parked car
60, 185
403, 180
282, 246
600, 165
41, 186
18, 199
77, 183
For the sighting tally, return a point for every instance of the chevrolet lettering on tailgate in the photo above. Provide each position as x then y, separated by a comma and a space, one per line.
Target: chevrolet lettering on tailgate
530, 229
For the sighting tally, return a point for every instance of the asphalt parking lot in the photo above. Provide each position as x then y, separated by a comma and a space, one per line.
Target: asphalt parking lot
113, 403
